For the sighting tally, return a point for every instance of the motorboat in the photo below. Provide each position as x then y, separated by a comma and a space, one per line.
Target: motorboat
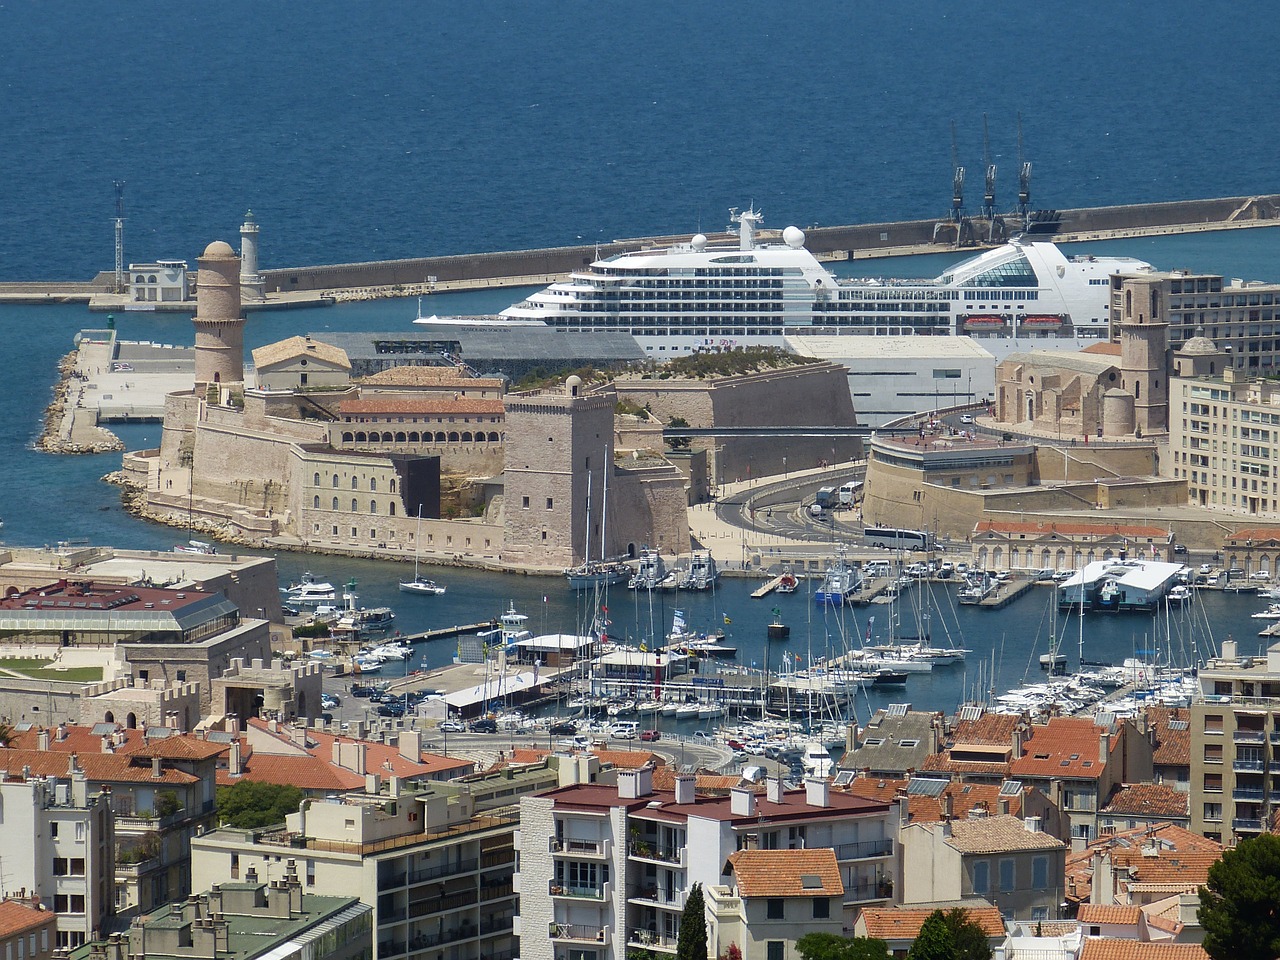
1179, 594
651, 573
787, 583
840, 582
702, 573
309, 592
196, 546
816, 760
1271, 613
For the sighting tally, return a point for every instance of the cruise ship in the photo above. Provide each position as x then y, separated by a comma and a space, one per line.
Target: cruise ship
696, 295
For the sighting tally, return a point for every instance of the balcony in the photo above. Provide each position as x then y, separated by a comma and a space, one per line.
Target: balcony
435, 873
864, 892
570, 847
1275, 736
577, 893
1249, 766
865, 849
1246, 823
644, 850
577, 933
1249, 736
1253, 794
656, 896
649, 940
497, 891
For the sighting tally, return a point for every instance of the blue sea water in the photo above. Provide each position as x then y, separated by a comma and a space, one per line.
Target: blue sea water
358, 132
361, 132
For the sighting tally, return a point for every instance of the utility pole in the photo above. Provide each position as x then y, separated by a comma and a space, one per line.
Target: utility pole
119, 282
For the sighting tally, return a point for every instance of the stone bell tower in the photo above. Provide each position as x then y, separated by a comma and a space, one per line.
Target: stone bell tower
1144, 352
219, 325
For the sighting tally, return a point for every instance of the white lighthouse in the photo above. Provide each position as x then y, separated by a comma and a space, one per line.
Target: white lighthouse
251, 284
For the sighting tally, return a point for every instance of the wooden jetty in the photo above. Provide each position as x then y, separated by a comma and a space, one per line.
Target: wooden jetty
768, 588
444, 633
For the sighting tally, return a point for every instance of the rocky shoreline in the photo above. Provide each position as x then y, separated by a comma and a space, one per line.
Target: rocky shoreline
65, 431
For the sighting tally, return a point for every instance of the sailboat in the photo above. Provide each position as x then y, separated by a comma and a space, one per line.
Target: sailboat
418, 584
597, 573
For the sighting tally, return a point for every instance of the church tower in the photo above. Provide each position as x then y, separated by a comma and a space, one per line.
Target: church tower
219, 325
251, 283
1144, 352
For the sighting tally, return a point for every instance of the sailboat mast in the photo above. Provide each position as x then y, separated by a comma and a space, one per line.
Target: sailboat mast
604, 506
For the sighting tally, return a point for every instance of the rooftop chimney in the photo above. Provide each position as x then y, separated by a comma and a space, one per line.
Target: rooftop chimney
742, 802
817, 791
62, 731
42, 739
410, 745
157, 768
948, 805
235, 760
773, 789
633, 784
1104, 747
685, 788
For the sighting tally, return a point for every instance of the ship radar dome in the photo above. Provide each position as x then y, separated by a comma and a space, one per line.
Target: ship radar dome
699, 241
218, 250
793, 237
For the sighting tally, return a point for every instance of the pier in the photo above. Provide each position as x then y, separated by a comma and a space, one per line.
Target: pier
1006, 593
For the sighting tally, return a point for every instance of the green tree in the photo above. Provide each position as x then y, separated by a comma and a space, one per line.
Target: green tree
934, 941
1240, 903
248, 804
691, 942
969, 940
832, 946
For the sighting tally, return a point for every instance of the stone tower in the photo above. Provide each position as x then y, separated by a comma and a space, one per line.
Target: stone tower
557, 443
251, 283
1144, 352
219, 326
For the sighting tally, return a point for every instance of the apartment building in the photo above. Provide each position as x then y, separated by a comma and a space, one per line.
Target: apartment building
1235, 745
59, 846
437, 874
606, 870
27, 931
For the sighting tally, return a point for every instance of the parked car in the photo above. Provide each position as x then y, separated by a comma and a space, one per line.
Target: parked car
452, 726
565, 728
484, 725
1259, 575
362, 690
649, 736
391, 708
735, 744
1206, 568
701, 736
1179, 548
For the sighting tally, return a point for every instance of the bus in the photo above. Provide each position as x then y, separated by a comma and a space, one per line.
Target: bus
895, 539
848, 492
826, 498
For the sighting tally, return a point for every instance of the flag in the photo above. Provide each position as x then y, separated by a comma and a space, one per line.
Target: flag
677, 622
726, 619
544, 598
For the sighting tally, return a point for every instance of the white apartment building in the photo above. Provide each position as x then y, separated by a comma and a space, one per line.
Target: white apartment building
59, 845
605, 870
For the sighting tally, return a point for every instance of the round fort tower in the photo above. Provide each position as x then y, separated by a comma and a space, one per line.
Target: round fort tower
219, 325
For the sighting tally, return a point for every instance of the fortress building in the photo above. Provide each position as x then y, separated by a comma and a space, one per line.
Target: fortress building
218, 321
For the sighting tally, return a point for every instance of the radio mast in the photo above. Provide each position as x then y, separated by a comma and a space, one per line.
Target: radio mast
119, 284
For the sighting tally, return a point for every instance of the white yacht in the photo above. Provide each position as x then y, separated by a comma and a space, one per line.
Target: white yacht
697, 295
310, 592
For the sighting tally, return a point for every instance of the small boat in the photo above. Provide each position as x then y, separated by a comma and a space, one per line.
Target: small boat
840, 582
193, 546
391, 651
309, 592
652, 573
593, 573
816, 760
1179, 594
1271, 613
710, 711
366, 665
787, 583
669, 708
707, 646
687, 711
886, 677
320, 654
420, 584
702, 573
647, 707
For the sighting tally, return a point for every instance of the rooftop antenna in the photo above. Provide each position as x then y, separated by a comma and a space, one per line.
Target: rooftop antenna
119, 283
957, 181
989, 194
1024, 181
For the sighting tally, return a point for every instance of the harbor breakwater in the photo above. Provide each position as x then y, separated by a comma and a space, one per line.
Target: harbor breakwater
872, 239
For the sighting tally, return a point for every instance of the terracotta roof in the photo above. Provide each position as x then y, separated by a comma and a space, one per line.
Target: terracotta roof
179, 748
380, 758
1073, 529
1103, 349
1257, 534
1063, 747
1173, 747
311, 774
998, 834
664, 778
97, 767
921, 808
418, 376
285, 350
17, 918
990, 729
787, 873
427, 406
904, 923
1109, 913
1148, 800
1103, 948
1181, 862
942, 763
620, 759
79, 739
1056, 928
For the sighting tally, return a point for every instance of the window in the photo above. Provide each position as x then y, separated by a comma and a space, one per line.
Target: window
1040, 873
550, 503
1006, 875
776, 950
53, 830
1213, 753
821, 908
981, 876
774, 908
235, 866
525, 502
